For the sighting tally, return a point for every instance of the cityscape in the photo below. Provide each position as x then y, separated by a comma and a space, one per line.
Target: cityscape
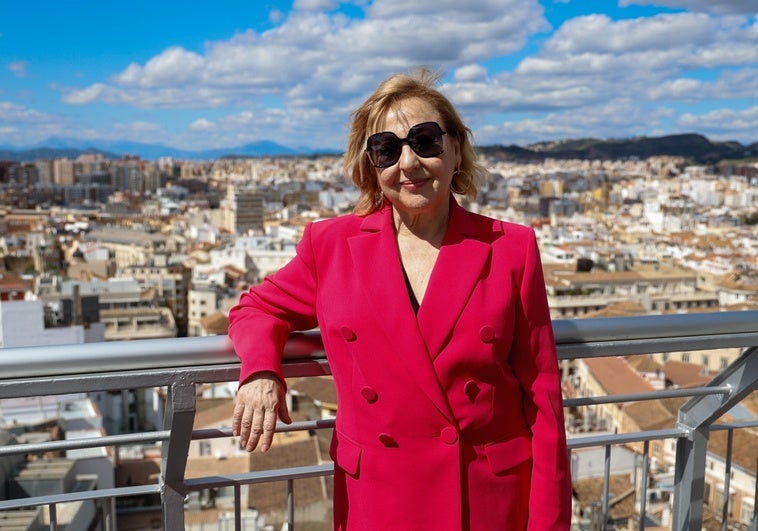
157, 159
97, 249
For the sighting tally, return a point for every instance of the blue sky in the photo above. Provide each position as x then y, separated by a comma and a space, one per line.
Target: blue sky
197, 75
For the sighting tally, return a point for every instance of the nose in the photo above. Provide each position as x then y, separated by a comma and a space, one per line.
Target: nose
408, 158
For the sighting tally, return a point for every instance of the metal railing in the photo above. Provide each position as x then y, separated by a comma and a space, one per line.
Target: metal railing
181, 364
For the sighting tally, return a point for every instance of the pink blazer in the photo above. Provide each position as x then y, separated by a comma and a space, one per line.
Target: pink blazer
451, 419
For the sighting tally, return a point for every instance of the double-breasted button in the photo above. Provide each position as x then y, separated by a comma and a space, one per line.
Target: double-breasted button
471, 389
449, 435
487, 333
347, 333
387, 440
370, 394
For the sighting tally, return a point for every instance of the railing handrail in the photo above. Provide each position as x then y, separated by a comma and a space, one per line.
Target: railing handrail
570, 334
181, 363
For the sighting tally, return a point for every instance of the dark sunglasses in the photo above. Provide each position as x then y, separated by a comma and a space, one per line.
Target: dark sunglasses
424, 139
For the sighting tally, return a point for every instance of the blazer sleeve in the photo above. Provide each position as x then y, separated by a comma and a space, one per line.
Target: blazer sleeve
266, 314
534, 360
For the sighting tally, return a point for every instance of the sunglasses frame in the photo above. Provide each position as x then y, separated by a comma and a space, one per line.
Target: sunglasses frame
407, 140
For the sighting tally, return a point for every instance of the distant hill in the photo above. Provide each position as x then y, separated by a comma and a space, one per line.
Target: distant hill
694, 147
72, 148
47, 153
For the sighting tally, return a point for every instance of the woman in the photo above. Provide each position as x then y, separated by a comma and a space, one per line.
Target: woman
437, 331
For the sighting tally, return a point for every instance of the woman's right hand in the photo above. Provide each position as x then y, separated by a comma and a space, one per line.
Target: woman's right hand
260, 401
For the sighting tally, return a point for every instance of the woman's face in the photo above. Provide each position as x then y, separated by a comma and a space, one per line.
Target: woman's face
416, 184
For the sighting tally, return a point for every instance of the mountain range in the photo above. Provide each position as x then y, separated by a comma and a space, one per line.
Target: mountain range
694, 147
57, 147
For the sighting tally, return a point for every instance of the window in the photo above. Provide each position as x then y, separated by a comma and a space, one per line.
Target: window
723, 364
686, 357
205, 448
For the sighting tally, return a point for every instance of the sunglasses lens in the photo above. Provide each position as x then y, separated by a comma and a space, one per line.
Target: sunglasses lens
383, 149
425, 140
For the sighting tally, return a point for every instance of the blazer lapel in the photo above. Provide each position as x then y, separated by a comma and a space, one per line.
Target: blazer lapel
459, 266
375, 255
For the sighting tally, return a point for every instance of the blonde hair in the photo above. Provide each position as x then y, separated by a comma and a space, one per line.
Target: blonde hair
366, 119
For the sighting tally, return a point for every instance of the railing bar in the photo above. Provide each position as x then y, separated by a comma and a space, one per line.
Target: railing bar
290, 505
624, 438
606, 485
653, 326
651, 395
119, 492
151, 436
168, 354
605, 342
727, 480
603, 349
237, 508
264, 476
53, 517
89, 442
86, 381
733, 425
643, 495
112, 520
303, 425
151, 354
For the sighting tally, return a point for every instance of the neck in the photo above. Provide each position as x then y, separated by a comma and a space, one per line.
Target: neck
424, 226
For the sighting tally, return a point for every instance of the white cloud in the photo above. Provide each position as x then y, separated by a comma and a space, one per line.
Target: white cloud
15, 114
315, 5
731, 84
613, 120
723, 123
581, 65
275, 16
139, 127
202, 124
173, 67
719, 7
592, 76
22, 126
315, 57
18, 68
598, 34
470, 73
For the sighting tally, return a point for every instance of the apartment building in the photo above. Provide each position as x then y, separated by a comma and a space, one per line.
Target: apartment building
573, 293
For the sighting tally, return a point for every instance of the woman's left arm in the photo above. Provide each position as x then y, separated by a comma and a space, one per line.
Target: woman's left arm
535, 363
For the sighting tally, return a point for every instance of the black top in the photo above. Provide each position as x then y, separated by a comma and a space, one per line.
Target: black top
414, 302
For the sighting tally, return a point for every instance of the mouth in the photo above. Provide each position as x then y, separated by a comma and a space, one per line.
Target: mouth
412, 184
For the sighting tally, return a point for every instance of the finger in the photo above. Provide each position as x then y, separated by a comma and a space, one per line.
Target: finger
256, 429
284, 413
269, 427
246, 427
239, 410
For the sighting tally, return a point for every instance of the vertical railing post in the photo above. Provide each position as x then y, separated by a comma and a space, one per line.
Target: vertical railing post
689, 481
606, 497
696, 416
178, 419
290, 505
727, 481
643, 486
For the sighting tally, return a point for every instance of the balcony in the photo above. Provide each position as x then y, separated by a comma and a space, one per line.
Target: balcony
180, 366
